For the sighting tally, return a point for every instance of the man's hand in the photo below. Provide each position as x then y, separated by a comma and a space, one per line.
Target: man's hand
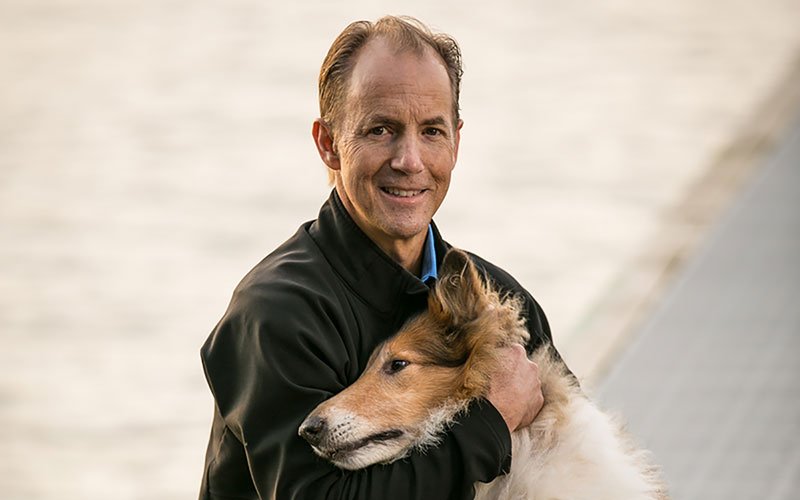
516, 390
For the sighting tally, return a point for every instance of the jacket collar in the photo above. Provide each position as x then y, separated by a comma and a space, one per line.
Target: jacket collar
375, 277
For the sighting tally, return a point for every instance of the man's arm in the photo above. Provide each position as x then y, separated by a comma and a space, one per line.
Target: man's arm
268, 370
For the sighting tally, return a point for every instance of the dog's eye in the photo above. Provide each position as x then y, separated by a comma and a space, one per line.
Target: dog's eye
396, 365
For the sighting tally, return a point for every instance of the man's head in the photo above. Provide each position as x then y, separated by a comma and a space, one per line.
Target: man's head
389, 130
404, 33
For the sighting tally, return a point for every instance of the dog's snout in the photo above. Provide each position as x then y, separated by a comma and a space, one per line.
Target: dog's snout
313, 429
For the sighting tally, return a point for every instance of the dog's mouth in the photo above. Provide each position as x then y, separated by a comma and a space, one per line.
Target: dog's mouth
342, 451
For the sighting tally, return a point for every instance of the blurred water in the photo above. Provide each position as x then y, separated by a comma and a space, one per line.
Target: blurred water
152, 151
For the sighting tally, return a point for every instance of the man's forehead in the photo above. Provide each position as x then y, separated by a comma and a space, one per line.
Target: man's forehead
382, 61
383, 75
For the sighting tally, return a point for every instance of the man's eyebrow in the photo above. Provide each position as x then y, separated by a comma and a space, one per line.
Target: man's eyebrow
380, 119
439, 120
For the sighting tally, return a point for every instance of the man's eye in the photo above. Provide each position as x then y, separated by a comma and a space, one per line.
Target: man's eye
396, 365
378, 130
433, 131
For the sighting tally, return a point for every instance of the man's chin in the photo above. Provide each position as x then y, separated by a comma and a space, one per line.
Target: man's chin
406, 225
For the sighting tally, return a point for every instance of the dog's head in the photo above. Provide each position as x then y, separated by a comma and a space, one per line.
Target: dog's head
418, 380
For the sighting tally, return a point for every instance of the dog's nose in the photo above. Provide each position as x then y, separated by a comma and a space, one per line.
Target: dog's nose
313, 429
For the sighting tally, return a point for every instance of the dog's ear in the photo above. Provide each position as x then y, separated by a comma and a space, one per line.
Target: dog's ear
459, 293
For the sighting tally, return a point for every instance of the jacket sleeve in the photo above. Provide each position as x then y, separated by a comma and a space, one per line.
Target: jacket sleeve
269, 369
539, 328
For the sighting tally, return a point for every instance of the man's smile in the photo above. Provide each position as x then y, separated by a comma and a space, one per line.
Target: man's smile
402, 193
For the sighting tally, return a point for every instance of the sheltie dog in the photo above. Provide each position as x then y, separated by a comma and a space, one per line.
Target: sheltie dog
417, 383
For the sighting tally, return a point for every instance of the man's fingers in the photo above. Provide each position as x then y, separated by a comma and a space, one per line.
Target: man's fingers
516, 389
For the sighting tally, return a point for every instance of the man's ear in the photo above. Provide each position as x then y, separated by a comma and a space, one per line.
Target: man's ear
323, 138
459, 294
457, 139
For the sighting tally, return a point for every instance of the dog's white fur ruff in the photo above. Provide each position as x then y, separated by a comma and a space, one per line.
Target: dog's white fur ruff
572, 451
588, 460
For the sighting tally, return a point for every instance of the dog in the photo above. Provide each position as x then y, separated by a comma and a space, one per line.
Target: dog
417, 383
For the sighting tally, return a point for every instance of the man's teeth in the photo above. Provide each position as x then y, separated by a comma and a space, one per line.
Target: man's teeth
402, 193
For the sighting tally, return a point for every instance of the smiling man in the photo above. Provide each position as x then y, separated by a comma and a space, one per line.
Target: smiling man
302, 324
395, 148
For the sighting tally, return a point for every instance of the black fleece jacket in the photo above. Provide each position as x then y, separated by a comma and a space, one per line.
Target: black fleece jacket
300, 327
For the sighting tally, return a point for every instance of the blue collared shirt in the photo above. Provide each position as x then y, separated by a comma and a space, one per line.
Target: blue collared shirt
429, 259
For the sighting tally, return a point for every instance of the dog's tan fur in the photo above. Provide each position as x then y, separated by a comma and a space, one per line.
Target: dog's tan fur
448, 355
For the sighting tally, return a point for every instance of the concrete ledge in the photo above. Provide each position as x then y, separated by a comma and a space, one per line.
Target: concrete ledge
612, 321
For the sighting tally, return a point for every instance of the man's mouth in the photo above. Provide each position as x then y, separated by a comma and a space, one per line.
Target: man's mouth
402, 193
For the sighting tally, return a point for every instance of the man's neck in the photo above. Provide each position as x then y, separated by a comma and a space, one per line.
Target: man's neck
407, 253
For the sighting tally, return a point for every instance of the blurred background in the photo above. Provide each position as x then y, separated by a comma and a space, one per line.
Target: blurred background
151, 152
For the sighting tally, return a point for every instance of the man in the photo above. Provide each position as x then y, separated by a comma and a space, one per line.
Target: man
302, 324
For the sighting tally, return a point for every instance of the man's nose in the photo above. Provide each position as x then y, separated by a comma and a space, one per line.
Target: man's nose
408, 155
313, 429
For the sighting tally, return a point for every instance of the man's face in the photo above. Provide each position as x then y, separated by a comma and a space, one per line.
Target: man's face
396, 142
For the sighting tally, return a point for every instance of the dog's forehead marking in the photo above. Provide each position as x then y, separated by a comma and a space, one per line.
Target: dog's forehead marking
409, 341
408, 336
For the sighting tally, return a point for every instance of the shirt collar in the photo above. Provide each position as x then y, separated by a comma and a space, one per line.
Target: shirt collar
374, 276
429, 263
